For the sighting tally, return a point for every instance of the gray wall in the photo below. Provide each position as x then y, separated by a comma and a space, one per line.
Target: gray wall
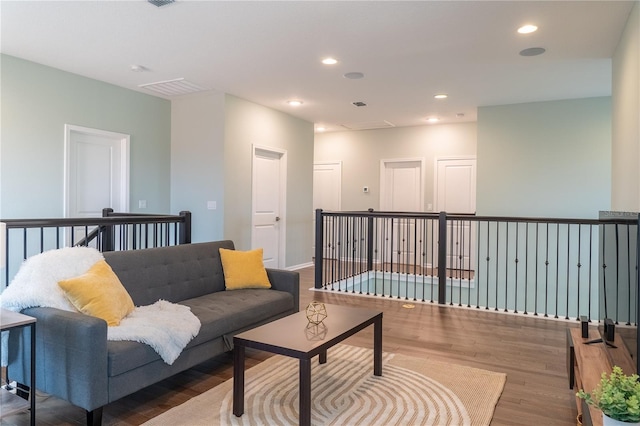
248, 124
545, 159
37, 101
197, 162
625, 189
361, 151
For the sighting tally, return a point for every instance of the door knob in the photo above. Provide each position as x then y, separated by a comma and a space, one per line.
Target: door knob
277, 218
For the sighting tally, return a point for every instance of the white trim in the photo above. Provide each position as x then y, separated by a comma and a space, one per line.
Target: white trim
300, 266
125, 143
383, 164
282, 234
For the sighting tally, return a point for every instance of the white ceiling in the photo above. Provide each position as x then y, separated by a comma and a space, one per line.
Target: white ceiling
270, 52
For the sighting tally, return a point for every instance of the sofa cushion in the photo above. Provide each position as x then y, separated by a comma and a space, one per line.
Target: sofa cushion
220, 313
243, 269
99, 293
229, 311
172, 273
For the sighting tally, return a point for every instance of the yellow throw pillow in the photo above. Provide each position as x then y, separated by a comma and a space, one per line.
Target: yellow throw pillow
243, 269
99, 293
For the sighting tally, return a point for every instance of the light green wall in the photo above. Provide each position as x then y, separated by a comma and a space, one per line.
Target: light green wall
361, 151
248, 124
625, 190
37, 101
545, 159
197, 162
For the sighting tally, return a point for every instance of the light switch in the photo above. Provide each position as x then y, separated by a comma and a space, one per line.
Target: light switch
211, 205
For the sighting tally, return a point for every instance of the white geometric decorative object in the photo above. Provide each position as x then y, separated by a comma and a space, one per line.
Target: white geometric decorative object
316, 312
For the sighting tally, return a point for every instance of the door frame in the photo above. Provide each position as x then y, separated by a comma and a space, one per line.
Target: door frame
451, 228
282, 180
338, 190
125, 143
383, 168
435, 178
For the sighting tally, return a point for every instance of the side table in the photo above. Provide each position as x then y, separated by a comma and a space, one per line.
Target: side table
11, 403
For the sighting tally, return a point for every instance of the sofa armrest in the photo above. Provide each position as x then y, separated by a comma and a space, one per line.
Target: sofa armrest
288, 281
71, 356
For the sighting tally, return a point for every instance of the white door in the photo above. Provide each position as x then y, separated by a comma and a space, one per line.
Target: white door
401, 190
268, 206
96, 173
327, 194
456, 194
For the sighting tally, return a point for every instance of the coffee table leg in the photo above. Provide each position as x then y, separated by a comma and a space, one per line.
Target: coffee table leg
238, 380
377, 347
323, 357
305, 392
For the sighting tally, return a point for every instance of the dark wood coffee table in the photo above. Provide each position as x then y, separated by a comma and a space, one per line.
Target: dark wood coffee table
290, 336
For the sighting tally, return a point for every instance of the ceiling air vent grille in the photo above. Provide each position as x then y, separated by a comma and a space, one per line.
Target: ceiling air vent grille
176, 87
384, 124
160, 3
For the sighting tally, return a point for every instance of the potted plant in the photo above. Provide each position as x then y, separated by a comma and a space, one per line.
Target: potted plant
617, 396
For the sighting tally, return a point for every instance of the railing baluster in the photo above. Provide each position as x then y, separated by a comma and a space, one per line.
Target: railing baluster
39, 235
405, 252
568, 269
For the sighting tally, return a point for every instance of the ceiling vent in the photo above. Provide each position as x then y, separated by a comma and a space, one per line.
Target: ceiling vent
176, 87
384, 124
160, 3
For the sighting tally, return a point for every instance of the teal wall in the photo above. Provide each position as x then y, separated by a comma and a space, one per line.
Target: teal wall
248, 124
545, 159
626, 117
197, 162
37, 101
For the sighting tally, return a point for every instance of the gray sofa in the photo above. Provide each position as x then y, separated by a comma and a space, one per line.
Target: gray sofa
75, 361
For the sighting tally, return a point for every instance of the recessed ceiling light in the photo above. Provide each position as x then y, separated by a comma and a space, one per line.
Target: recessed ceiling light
294, 102
433, 119
354, 75
320, 129
533, 51
441, 96
527, 29
329, 61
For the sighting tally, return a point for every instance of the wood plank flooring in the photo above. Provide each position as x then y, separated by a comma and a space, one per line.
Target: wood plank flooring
531, 351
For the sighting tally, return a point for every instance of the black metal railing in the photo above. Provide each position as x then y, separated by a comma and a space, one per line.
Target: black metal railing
112, 231
561, 268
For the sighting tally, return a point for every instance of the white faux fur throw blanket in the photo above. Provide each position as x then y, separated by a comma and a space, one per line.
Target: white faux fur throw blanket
166, 327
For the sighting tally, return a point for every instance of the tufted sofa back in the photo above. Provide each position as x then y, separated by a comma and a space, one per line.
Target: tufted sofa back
173, 273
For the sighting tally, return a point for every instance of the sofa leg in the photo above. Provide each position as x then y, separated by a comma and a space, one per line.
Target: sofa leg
94, 417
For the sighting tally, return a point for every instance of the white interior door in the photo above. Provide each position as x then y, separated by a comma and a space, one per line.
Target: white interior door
456, 194
96, 173
327, 193
401, 190
269, 201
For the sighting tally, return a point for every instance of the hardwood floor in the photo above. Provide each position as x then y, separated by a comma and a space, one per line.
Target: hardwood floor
531, 351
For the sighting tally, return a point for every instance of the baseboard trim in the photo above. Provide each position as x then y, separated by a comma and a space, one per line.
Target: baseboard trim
301, 266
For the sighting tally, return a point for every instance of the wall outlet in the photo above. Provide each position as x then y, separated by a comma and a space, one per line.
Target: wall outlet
211, 205
142, 204
365, 189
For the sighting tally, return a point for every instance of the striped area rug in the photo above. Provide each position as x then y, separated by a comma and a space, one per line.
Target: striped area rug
344, 391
